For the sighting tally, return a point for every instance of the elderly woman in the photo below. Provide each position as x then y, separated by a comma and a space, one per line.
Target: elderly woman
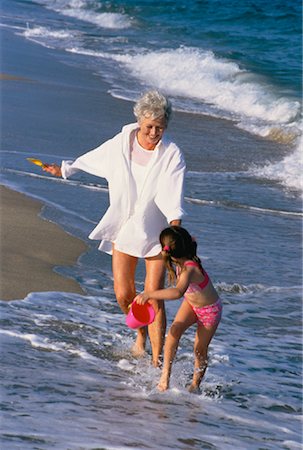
145, 174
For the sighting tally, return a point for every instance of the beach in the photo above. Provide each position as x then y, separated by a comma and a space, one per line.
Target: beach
71, 71
31, 247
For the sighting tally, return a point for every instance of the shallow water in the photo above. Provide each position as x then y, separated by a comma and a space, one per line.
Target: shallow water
68, 378
78, 387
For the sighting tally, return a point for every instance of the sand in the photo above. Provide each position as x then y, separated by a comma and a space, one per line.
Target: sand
30, 248
49, 108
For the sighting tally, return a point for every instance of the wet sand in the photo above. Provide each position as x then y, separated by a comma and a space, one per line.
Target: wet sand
30, 248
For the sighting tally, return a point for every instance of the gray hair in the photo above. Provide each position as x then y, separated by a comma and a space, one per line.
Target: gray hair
153, 105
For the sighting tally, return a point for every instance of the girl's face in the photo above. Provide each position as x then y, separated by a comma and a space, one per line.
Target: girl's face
150, 132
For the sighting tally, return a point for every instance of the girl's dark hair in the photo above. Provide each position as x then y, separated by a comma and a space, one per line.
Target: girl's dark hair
177, 243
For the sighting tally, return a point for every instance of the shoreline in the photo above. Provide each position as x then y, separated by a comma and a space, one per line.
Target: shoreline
31, 247
76, 100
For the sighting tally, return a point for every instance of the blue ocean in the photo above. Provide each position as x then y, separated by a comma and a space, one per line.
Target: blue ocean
233, 71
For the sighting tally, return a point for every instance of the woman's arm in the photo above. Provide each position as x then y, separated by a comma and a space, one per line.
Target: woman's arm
97, 162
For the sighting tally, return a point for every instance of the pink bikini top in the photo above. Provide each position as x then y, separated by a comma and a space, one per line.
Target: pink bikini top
203, 283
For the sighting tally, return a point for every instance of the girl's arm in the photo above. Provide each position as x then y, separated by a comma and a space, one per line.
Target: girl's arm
172, 293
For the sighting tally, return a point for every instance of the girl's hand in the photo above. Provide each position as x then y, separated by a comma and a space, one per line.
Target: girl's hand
142, 298
53, 169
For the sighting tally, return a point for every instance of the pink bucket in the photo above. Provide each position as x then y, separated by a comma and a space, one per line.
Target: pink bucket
140, 315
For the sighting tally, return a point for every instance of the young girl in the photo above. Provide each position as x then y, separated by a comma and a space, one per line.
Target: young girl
201, 302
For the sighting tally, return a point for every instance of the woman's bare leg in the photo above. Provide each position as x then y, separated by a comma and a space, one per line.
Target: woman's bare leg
155, 276
202, 341
124, 270
185, 317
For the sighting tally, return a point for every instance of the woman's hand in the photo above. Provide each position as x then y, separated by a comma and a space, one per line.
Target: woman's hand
53, 169
175, 223
142, 298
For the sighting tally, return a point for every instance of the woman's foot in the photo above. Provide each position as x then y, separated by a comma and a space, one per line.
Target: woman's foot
157, 362
163, 385
138, 349
194, 389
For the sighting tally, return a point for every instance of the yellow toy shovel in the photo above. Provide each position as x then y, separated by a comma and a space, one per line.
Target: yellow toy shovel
38, 162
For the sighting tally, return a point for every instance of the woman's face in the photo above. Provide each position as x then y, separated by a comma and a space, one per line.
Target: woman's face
150, 132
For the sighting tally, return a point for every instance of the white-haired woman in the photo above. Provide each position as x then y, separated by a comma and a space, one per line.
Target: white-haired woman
145, 174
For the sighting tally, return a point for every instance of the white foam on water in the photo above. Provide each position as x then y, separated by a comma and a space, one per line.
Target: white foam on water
269, 402
215, 86
245, 419
45, 344
88, 12
34, 340
288, 171
236, 288
234, 205
39, 31
76, 330
292, 445
198, 80
219, 83
103, 20
82, 51
126, 365
49, 37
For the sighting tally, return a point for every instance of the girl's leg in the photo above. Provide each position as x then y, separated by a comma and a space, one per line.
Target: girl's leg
185, 317
202, 341
155, 275
124, 269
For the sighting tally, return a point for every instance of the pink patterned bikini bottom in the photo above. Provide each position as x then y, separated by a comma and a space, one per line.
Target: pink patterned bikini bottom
209, 315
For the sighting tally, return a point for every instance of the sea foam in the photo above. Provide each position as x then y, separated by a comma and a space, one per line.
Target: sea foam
288, 171
48, 37
79, 9
217, 86
197, 80
39, 31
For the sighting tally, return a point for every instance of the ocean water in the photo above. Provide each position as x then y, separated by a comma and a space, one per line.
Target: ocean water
233, 72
